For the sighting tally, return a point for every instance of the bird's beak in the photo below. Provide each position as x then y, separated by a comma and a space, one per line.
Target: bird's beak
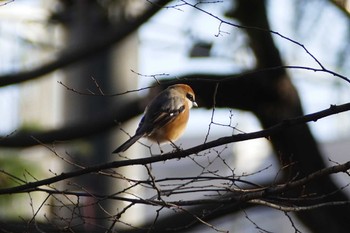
194, 104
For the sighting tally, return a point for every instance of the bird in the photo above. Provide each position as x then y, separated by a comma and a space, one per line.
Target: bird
165, 117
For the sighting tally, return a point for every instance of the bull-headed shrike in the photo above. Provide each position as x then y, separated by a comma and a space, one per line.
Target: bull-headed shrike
165, 117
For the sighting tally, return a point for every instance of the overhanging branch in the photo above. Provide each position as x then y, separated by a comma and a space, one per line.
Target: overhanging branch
91, 48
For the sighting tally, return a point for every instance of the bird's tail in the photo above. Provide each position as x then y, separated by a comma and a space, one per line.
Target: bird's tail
127, 144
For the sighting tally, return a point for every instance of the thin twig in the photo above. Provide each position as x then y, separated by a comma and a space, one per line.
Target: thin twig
222, 21
212, 112
297, 208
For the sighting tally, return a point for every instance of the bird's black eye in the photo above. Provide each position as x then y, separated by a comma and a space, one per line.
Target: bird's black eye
190, 97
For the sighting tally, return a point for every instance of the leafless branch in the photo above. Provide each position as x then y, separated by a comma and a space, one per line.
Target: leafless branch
222, 21
194, 150
296, 208
253, 195
92, 47
6, 2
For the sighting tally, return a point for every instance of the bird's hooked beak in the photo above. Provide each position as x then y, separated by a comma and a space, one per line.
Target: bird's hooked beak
194, 104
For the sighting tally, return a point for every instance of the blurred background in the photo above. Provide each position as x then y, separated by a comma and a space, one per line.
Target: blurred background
88, 63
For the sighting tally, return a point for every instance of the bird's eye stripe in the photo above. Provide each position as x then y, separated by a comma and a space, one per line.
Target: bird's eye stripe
189, 96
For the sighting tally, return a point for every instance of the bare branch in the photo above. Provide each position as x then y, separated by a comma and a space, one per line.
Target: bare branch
222, 21
91, 48
7, 2
122, 112
296, 208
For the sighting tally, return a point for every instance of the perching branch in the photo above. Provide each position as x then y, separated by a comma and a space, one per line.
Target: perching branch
286, 124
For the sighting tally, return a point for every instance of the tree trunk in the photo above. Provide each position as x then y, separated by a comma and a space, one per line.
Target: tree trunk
86, 20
